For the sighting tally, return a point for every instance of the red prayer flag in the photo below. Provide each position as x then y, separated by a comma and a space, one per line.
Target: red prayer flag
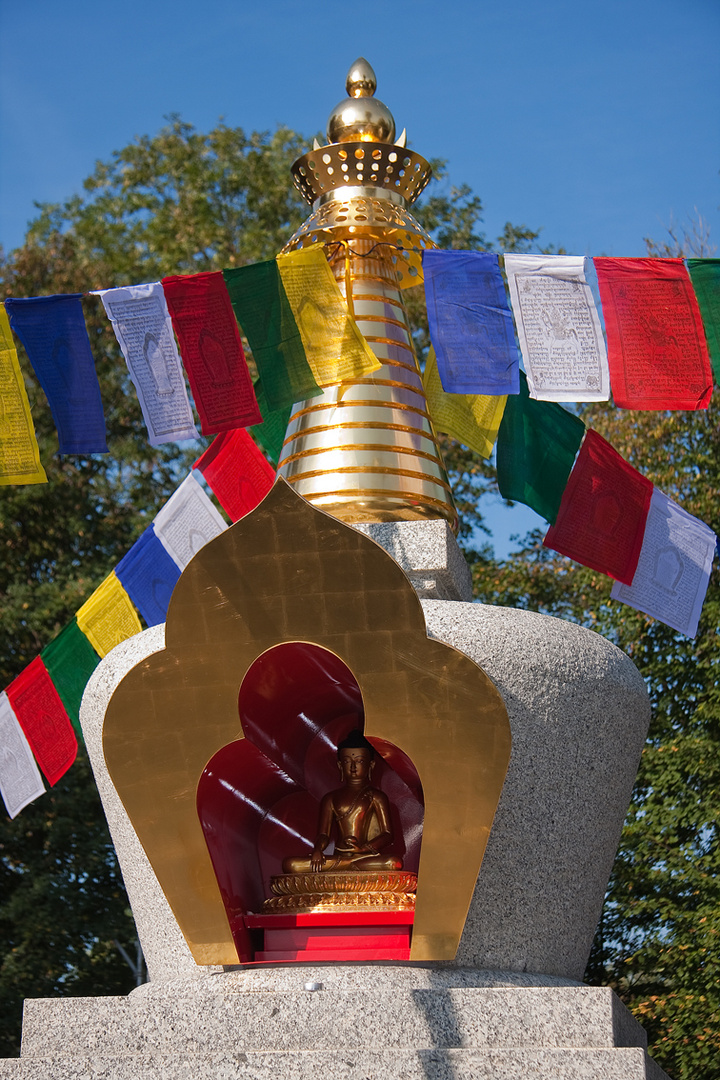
657, 351
602, 515
211, 351
42, 716
237, 471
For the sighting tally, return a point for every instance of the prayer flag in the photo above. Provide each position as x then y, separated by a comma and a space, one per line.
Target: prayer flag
537, 445
674, 568
471, 325
335, 349
108, 616
148, 575
270, 435
472, 419
70, 660
656, 343
20, 780
42, 716
52, 329
142, 326
262, 309
558, 327
237, 472
19, 453
705, 277
211, 351
187, 522
602, 515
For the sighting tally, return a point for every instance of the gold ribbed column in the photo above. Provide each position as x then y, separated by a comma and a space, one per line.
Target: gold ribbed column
365, 450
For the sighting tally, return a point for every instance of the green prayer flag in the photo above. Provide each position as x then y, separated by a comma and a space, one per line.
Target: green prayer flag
265, 317
270, 435
537, 444
705, 277
70, 660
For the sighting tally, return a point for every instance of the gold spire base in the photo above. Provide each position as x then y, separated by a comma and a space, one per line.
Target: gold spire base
359, 891
384, 508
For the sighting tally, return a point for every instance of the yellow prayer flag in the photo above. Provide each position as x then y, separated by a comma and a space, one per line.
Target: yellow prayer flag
19, 453
334, 347
108, 617
472, 419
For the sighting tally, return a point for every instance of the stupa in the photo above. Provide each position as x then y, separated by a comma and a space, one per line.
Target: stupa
507, 743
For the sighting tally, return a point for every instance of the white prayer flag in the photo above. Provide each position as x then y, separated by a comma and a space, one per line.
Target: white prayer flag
675, 562
20, 780
558, 327
187, 521
142, 325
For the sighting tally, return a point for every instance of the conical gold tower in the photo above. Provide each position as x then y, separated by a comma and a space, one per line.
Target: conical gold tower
366, 450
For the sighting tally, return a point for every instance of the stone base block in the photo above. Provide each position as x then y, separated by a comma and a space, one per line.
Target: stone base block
428, 553
349, 1024
400, 1064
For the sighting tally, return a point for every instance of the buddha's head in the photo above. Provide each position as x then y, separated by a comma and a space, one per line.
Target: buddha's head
355, 758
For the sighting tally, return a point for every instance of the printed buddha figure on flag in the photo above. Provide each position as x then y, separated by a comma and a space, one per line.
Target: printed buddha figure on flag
155, 360
214, 359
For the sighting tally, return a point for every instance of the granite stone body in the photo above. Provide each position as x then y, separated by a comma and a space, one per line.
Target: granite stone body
166, 952
579, 713
428, 553
511, 1004
361, 1023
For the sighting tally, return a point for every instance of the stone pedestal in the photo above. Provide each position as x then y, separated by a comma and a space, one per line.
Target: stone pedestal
579, 713
345, 1023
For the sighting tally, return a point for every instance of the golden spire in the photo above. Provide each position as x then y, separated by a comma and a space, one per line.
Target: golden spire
366, 450
357, 120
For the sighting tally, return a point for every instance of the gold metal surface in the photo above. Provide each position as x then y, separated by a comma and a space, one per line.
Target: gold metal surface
360, 115
361, 80
389, 891
360, 186
346, 455
374, 168
288, 572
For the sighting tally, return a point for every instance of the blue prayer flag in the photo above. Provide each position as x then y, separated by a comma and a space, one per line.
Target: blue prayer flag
52, 330
148, 575
471, 325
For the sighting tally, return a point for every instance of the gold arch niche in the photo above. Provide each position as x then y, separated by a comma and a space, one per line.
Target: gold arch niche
290, 572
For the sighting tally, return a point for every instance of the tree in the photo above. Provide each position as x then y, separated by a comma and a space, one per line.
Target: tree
658, 943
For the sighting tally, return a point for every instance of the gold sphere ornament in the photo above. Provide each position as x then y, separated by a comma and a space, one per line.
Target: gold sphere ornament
361, 80
360, 117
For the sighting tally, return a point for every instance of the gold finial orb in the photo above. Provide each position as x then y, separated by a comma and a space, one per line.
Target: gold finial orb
361, 81
360, 117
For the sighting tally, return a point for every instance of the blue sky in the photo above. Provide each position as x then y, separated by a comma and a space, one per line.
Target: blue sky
597, 122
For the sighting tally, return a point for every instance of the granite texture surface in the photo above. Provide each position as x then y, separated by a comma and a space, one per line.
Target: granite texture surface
338, 1064
166, 952
428, 553
579, 713
217, 1026
542, 1017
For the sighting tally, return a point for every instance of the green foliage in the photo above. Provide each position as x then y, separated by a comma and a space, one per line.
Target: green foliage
62, 902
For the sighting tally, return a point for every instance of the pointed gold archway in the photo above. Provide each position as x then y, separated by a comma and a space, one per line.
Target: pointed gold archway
290, 572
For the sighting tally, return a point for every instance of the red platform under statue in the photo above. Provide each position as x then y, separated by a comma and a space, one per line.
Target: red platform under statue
341, 936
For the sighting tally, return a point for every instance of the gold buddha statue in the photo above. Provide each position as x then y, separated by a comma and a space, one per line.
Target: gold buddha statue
356, 875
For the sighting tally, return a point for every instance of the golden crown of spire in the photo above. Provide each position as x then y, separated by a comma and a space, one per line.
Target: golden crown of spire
360, 151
